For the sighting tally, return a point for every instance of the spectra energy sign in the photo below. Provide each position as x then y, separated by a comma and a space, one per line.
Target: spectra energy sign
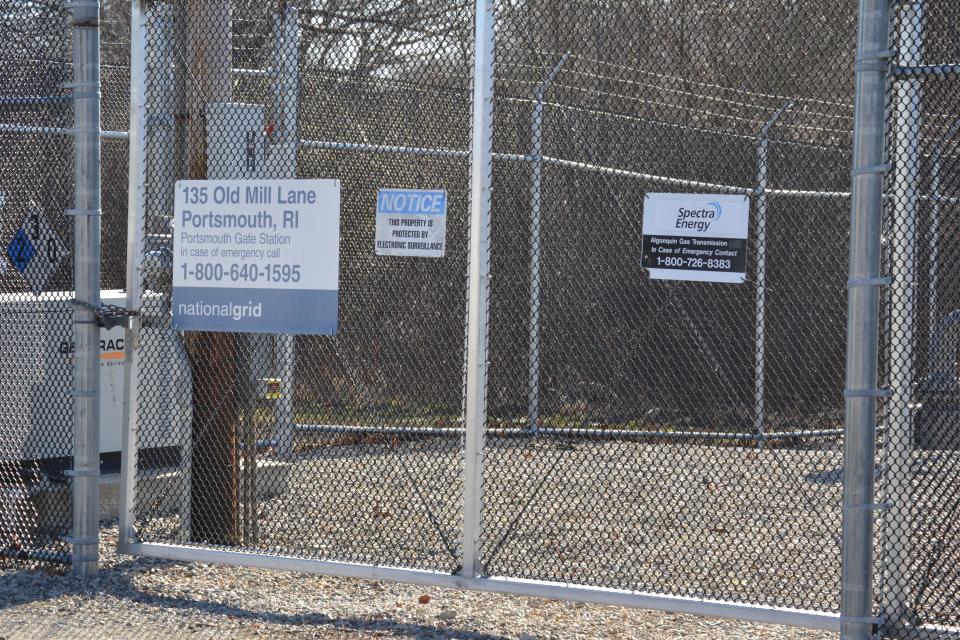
257, 256
689, 236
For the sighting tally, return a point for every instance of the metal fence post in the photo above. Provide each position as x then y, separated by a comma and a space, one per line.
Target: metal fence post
481, 175
863, 321
136, 206
760, 273
536, 247
285, 98
86, 419
898, 441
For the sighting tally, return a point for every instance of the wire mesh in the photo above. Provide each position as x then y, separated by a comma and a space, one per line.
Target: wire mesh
359, 485
681, 438
36, 372
917, 461
115, 152
677, 437
36, 188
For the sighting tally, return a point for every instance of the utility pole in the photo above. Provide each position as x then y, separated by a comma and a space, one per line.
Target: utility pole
213, 356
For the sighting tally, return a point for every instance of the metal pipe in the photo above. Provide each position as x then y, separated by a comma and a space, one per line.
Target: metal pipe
536, 185
623, 173
940, 198
934, 242
284, 414
285, 98
160, 128
86, 417
511, 157
898, 441
836, 148
760, 270
678, 182
815, 195
863, 321
287, 86
377, 148
56, 131
136, 205
494, 584
481, 176
692, 184
573, 164
254, 73
598, 432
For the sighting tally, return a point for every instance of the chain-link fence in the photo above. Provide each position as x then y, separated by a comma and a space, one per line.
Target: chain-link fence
358, 485
36, 277
675, 438
532, 405
36, 187
917, 453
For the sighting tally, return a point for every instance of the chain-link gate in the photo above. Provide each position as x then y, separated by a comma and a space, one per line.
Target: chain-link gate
533, 413
36, 187
681, 438
40, 118
376, 410
917, 579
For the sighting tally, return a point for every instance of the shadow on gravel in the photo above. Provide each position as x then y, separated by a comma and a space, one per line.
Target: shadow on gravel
20, 586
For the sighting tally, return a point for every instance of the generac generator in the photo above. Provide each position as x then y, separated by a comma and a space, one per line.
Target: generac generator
36, 369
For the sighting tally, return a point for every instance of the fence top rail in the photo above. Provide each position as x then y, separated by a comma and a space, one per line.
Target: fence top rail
57, 131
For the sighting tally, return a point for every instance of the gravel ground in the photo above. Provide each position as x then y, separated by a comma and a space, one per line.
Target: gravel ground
143, 599
725, 522
730, 523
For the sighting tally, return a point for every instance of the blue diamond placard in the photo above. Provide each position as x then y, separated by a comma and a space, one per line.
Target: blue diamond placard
36, 250
21, 250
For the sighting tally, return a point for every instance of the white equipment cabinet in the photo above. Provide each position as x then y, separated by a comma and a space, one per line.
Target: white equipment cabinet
36, 367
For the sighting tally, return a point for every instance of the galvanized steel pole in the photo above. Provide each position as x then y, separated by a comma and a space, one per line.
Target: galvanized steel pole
898, 441
137, 201
760, 275
86, 274
481, 176
536, 246
286, 89
863, 321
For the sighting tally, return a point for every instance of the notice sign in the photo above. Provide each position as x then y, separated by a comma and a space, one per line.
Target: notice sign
256, 256
411, 222
689, 236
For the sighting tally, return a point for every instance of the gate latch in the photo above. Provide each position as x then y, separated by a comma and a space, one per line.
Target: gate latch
109, 315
